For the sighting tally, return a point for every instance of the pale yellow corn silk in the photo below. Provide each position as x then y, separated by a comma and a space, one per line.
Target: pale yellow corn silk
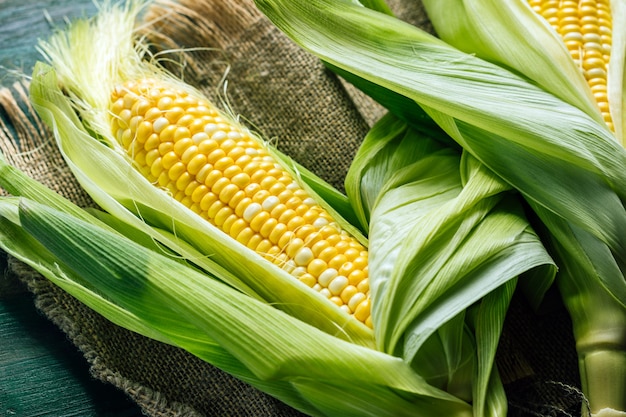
182, 143
585, 27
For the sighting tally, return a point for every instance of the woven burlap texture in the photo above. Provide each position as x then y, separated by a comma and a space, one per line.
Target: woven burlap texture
241, 60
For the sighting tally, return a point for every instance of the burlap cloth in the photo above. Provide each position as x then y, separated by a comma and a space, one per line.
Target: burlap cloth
319, 120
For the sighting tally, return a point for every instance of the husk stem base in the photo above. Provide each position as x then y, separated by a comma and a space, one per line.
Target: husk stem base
603, 378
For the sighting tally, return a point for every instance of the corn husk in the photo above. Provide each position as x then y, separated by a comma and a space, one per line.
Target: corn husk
156, 295
519, 131
444, 235
539, 132
592, 273
512, 35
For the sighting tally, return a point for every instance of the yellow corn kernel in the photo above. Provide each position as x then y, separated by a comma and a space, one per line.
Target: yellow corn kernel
218, 170
586, 29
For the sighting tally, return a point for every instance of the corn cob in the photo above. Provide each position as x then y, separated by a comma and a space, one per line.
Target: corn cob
181, 143
586, 29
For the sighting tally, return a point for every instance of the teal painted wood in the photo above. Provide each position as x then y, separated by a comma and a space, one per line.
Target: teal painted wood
23, 22
41, 372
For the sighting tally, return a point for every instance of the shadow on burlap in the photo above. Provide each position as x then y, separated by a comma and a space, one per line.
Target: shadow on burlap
319, 120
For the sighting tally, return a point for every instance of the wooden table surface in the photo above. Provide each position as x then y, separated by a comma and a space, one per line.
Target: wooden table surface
41, 372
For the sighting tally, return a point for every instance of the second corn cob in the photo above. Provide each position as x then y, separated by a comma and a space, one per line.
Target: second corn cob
586, 28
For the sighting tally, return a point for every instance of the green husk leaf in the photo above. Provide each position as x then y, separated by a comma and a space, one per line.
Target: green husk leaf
168, 328
444, 233
489, 322
378, 5
274, 346
16, 241
16, 183
378, 158
447, 359
492, 113
511, 34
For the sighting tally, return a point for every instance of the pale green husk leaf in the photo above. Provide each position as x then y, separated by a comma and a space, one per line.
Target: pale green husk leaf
158, 296
439, 224
544, 142
557, 156
444, 234
511, 34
